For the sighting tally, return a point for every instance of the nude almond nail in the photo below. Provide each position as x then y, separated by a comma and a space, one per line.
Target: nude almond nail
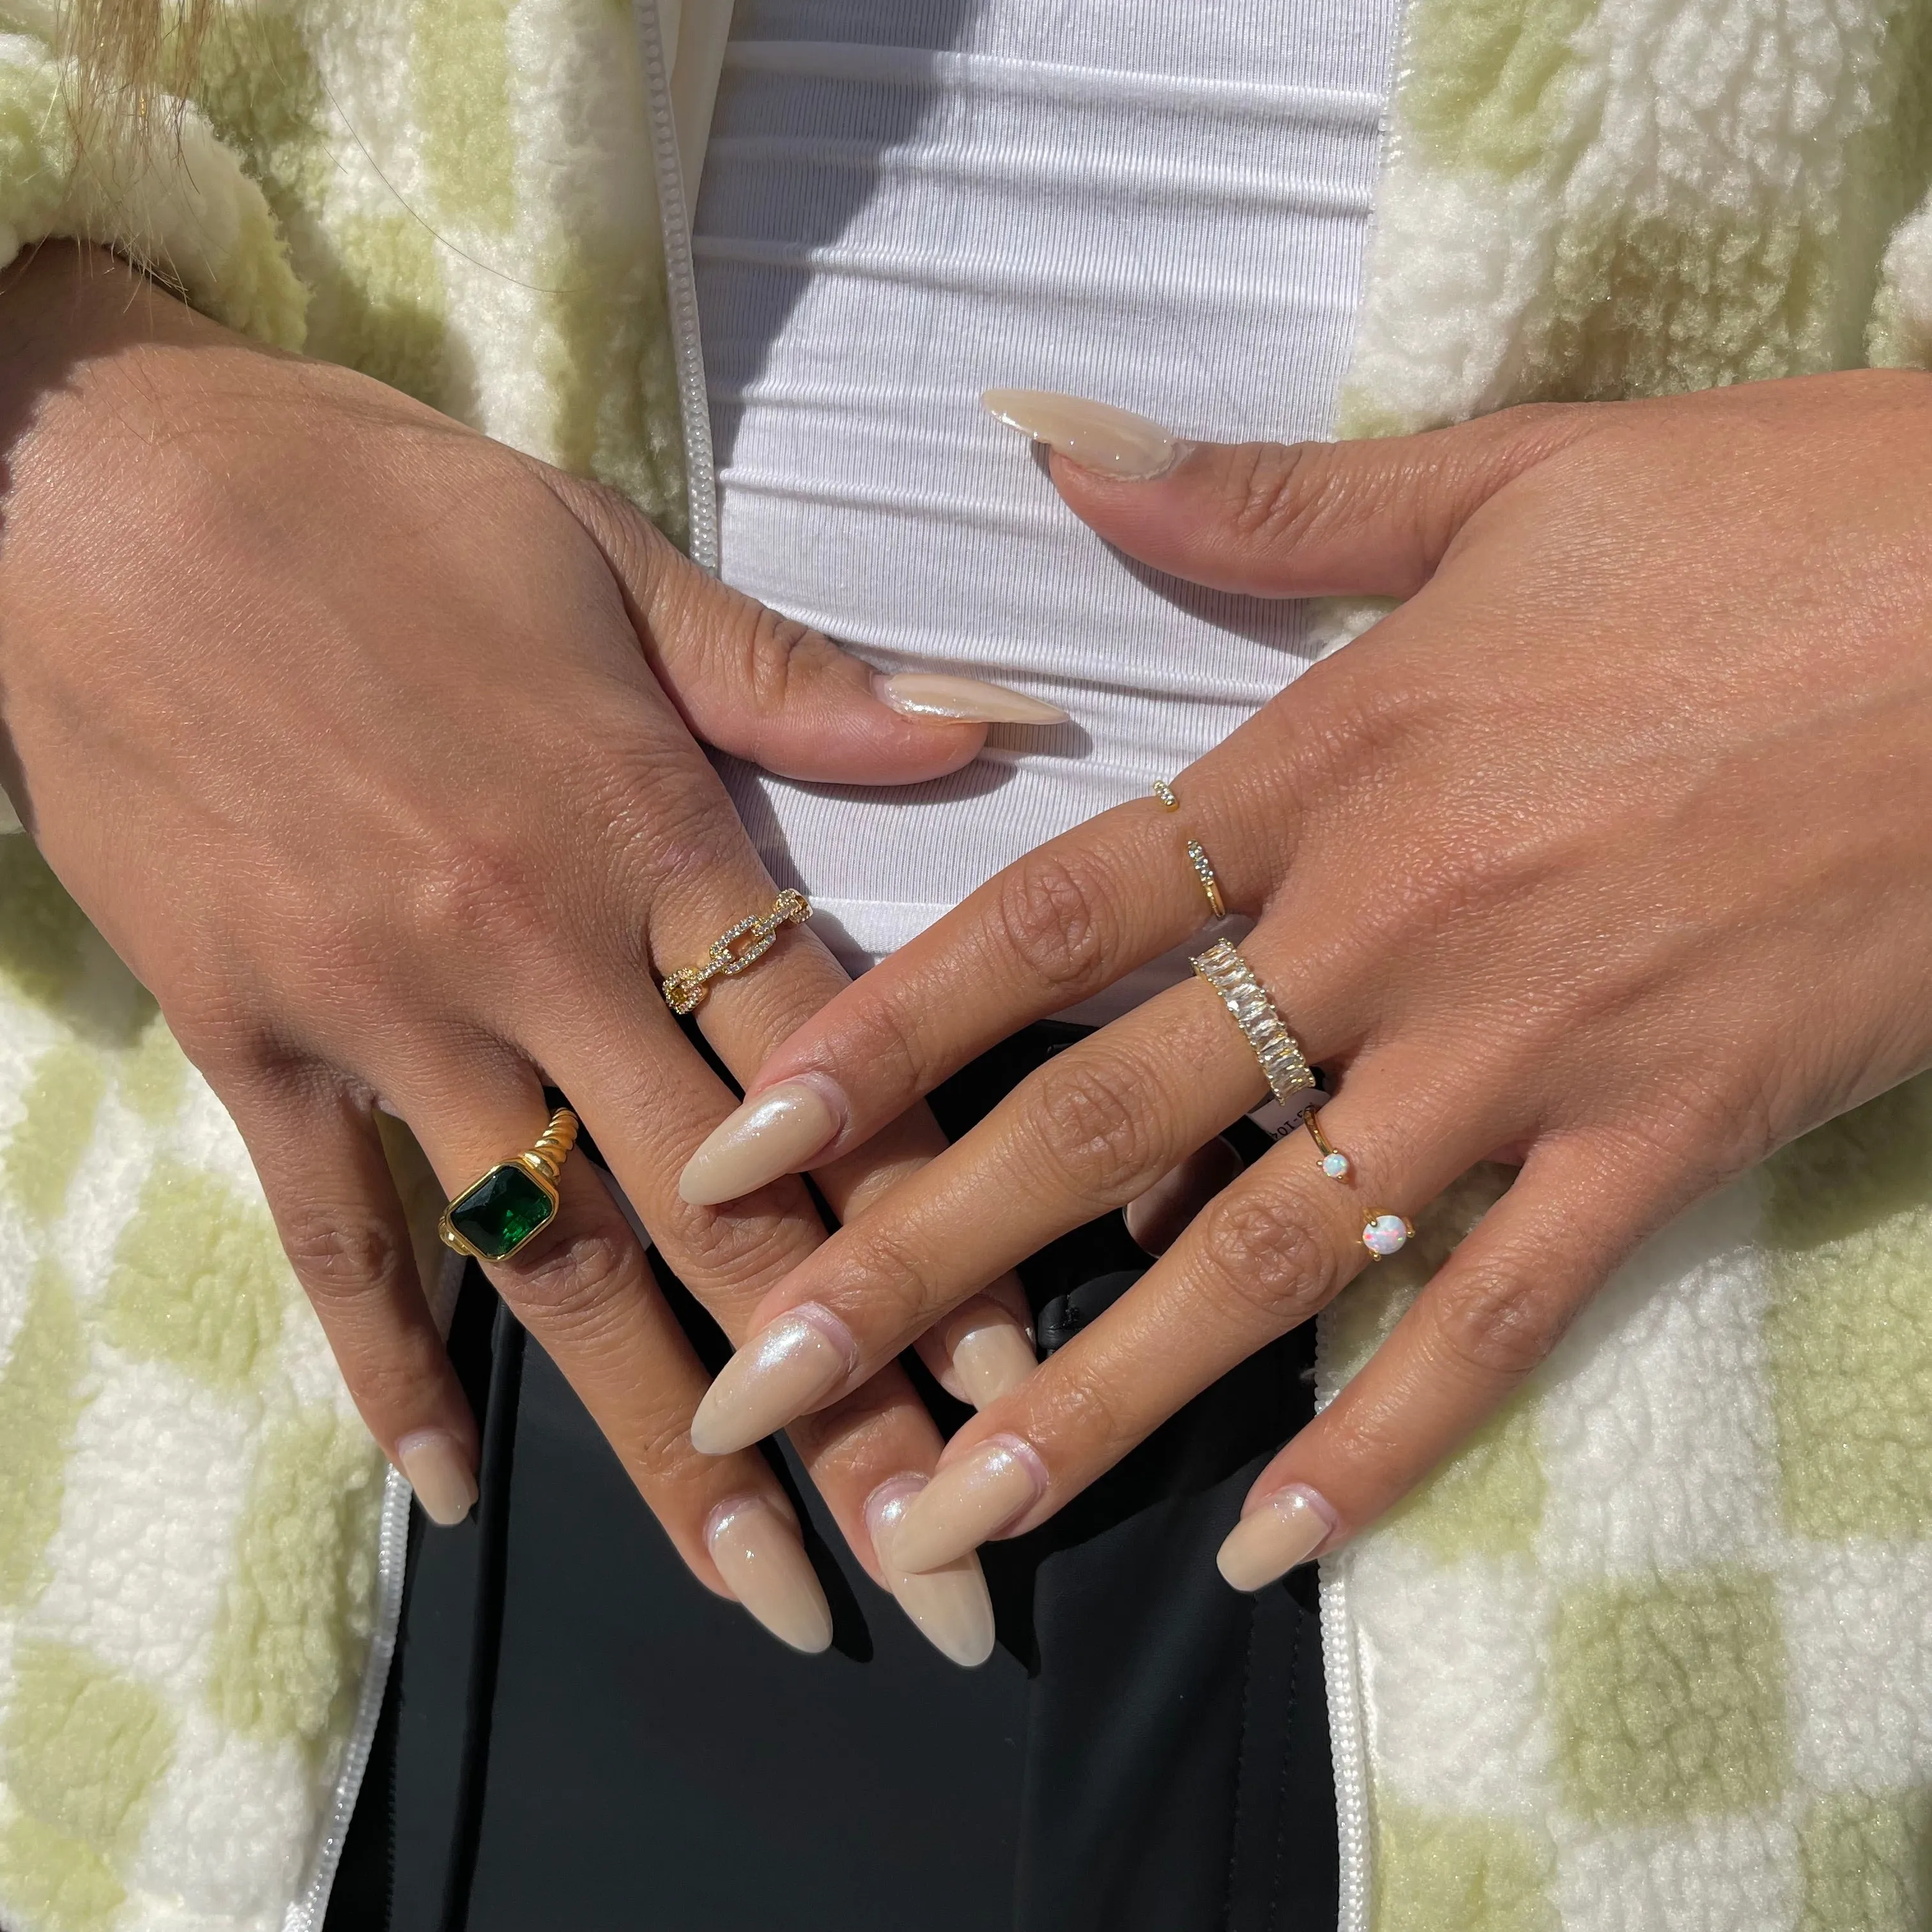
992, 1360
950, 1606
1286, 1529
761, 1559
966, 1502
775, 1132
1096, 436
433, 1461
788, 1367
931, 694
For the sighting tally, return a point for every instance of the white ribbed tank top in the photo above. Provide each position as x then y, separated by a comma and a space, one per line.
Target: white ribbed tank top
906, 202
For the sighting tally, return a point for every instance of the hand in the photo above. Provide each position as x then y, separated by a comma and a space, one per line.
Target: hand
368, 744
1607, 854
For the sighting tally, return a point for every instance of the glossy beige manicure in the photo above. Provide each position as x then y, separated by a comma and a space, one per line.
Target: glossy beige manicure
764, 1563
774, 1132
1287, 1528
931, 694
992, 1358
787, 1368
1096, 436
950, 1606
966, 1502
437, 1468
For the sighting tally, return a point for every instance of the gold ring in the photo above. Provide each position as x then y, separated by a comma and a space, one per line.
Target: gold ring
1382, 1234
1164, 792
512, 1204
686, 990
1280, 1052
1204, 873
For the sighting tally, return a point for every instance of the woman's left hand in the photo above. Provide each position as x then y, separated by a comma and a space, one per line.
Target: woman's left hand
1608, 852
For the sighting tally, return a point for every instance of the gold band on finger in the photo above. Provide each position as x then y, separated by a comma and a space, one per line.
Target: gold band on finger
1382, 1233
688, 989
1204, 873
1164, 792
511, 1205
1280, 1052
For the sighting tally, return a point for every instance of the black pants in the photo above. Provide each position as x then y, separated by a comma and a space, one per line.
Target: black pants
578, 1736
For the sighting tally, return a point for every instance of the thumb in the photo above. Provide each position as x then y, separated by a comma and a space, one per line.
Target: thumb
777, 693
1372, 518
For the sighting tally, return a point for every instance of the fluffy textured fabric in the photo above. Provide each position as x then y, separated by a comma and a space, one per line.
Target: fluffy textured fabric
1655, 1651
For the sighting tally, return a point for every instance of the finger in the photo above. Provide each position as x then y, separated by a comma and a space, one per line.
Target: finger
1488, 1318
1374, 517
1062, 923
1266, 1254
1088, 1132
1159, 1217
779, 693
320, 1156
583, 1287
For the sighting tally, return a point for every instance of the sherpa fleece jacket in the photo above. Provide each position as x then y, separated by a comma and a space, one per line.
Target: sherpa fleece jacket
1654, 1651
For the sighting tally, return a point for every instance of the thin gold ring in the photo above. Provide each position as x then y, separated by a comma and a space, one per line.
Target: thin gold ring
511, 1205
1204, 873
1164, 792
1382, 1234
688, 989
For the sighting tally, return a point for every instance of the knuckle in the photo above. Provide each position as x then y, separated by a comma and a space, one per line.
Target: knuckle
482, 889
1500, 1322
656, 1446
1262, 1258
574, 1281
1092, 1114
730, 1251
342, 1255
1269, 493
1055, 918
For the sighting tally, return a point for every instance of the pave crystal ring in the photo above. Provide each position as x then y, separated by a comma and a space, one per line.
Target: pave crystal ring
512, 1204
731, 953
1277, 1049
1204, 873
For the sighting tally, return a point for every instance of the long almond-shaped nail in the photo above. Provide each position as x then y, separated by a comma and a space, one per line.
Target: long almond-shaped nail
788, 1367
950, 1606
1285, 1529
1096, 436
439, 1472
760, 1557
774, 1132
932, 694
991, 1359
966, 1502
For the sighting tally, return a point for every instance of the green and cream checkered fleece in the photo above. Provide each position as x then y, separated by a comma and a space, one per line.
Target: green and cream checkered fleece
1654, 1652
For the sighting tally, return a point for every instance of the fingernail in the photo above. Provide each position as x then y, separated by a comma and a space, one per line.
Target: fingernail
993, 1359
966, 1502
439, 1472
774, 1132
760, 1557
949, 1606
783, 1370
1286, 1529
1096, 436
931, 694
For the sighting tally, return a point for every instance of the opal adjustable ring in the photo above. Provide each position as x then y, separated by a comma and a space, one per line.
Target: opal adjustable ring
1382, 1233
512, 1204
1204, 873
687, 989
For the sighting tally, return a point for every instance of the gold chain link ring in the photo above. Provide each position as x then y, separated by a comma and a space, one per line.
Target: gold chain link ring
732, 952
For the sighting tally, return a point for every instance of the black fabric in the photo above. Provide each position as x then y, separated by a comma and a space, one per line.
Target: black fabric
1146, 1751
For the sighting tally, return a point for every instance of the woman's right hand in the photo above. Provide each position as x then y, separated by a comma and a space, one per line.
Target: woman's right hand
368, 744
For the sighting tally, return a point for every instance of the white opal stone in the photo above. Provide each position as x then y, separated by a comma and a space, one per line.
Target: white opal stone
1335, 1166
1385, 1234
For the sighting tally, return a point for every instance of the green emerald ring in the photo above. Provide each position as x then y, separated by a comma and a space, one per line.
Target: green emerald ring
514, 1202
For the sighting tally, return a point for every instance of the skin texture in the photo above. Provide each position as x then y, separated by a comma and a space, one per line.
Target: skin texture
1607, 854
368, 744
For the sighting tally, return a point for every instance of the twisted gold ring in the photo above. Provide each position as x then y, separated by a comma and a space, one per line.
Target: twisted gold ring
687, 989
512, 1204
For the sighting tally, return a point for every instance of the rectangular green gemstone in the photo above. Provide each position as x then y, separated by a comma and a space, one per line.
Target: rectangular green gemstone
502, 1211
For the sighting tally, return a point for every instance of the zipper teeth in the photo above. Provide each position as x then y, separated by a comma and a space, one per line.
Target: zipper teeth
1341, 1666
681, 295
306, 1913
